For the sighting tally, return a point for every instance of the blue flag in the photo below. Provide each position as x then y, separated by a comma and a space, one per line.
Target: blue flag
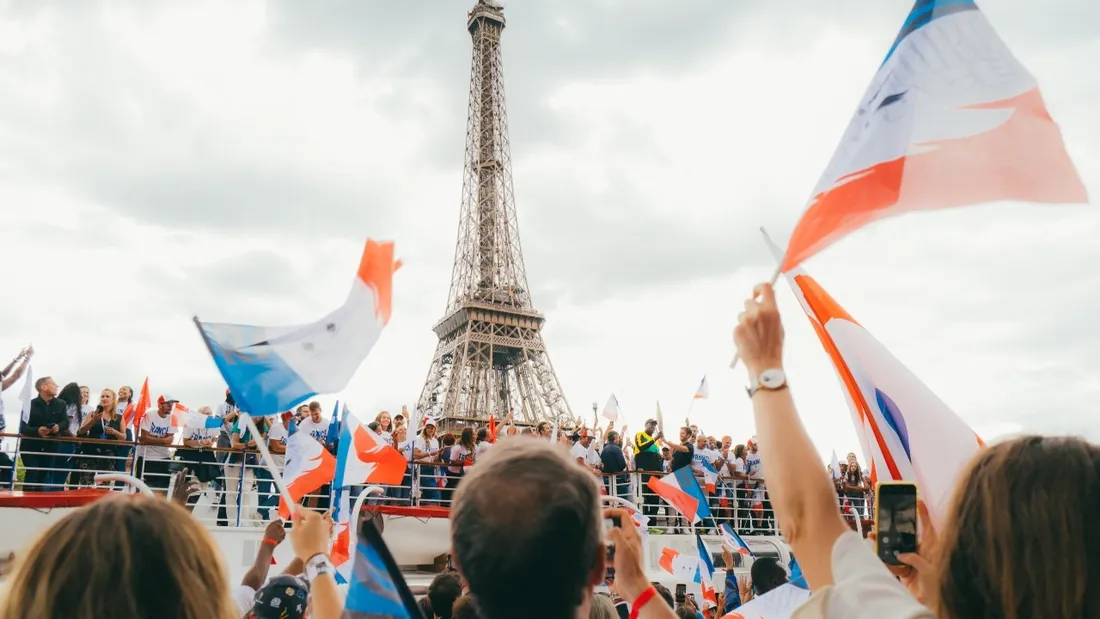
377, 589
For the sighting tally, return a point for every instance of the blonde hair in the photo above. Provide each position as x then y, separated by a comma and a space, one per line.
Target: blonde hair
122, 556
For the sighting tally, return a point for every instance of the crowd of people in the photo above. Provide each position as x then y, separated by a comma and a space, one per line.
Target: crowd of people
1016, 540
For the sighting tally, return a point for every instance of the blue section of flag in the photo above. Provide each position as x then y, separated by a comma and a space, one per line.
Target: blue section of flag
213, 422
894, 419
334, 424
377, 588
686, 478
924, 12
704, 556
797, 578
343, 447
260, 381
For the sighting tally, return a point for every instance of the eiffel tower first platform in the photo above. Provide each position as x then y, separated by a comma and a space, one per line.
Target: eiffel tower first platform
491, 358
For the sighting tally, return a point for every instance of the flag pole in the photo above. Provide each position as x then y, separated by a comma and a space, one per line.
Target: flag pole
269, 462
775, 278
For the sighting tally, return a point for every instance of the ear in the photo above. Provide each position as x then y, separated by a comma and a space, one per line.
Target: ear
599, 566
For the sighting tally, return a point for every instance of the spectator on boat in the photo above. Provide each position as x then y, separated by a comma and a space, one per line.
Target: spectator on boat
445, 589
121, 556
580, 451
482, 441
542, 430
47, 419
74, 409
855, 490
103, 424
461, 457
426, 448
240, 476
124, 454
402, 493
314, 424
647, 457
155, 438
447, 443
548, 509
385, 426
8, 377
267, 495
614, 465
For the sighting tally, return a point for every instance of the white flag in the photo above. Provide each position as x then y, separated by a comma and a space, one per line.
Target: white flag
28, 392
835, 466
611, 409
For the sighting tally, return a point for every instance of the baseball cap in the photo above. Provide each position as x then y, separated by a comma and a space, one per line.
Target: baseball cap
650, 420
430, 421
164, 397
283, 597
584, 433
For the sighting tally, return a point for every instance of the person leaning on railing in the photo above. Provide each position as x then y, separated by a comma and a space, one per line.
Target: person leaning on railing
8, 376
47, 419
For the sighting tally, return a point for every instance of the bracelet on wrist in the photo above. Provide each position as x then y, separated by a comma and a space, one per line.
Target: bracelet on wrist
643, 598
268, 540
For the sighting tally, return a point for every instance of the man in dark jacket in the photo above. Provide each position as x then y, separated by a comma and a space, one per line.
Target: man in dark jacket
47, 419
614, 464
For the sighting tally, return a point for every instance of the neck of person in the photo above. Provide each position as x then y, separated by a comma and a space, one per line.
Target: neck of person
45, 397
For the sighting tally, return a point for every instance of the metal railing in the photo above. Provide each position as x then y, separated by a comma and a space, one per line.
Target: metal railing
237, 491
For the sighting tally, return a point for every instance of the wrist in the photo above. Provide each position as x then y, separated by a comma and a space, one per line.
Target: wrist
631, 588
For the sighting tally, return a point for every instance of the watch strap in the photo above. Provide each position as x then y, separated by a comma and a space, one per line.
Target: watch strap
316, 565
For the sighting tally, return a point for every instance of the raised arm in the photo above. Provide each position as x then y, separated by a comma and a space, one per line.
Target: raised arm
801, 492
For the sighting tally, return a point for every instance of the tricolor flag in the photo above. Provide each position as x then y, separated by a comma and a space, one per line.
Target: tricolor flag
27, 394
362, 457
134, 412
377, 589
733, 541
710, 477
950, 119
682, 567
195, 419
611, 409
308, 466
681, 491
273, 369
906, 431
706, 575
703, 392
178, 417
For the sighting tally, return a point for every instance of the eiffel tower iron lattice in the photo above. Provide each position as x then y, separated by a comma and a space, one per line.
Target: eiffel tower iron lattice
491, 358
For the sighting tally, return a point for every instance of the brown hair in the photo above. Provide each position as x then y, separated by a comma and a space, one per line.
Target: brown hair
121, 556
1020, 539
561, 540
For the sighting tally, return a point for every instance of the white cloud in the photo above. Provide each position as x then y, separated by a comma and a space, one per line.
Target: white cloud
162, 161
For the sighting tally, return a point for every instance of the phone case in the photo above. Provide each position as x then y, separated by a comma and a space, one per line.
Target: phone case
878, 487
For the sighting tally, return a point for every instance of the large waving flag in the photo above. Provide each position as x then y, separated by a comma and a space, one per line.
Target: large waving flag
682, 567
273, 369
950, 119
733, 541
681, 491
906, 431
377, 590
362, 457
706, 575
308, 467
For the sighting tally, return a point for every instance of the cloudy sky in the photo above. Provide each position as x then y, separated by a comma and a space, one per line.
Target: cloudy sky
160, 160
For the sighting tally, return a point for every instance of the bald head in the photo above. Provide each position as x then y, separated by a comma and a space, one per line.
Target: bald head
525, 525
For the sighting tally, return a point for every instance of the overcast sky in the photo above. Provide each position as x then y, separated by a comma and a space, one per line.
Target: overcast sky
164, 159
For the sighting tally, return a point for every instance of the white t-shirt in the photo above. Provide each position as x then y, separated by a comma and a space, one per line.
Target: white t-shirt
386, 436
426, 445
406, 449
862, 589
245, 598
578, 452
709, 455
158, 427
198, 434
317, 429
277, 434
482, 447
458, 452
752, 464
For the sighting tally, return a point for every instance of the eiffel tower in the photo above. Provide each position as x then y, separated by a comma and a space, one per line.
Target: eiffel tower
491, 358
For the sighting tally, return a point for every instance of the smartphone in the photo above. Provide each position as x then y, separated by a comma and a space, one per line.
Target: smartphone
681, 593
895, 520
609, 570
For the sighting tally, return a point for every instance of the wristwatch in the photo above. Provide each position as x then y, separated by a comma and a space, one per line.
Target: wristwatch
770, 380
316, 565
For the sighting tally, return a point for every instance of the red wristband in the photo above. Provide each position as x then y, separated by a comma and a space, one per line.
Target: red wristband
268, 540
641, 601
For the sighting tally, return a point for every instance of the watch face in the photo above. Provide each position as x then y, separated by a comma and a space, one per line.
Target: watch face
771, 379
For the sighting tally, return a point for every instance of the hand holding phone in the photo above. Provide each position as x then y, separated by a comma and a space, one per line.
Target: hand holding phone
895, 520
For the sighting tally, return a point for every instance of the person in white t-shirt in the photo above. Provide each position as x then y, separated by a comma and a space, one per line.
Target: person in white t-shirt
385, 426
406, 447
199, 460
315, 424
483, 443
275, 436
582, 449
155, 437
426, 447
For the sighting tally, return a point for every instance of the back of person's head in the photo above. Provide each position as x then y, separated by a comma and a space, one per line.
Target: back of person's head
281, 597
1020, 539
122, 556
465, 608
767, 574
425, 606
525, 532
602, 608
442, 593
683, 611
665, 594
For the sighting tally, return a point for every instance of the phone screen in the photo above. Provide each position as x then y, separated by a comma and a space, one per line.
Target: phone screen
681, 593
896, 528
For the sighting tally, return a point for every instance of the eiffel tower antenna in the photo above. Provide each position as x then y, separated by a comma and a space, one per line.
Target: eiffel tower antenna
491, 359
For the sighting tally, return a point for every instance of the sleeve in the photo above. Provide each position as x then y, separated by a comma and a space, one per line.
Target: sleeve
732, 593
641, 443
244, 597
145, 423
864, 588
620, 458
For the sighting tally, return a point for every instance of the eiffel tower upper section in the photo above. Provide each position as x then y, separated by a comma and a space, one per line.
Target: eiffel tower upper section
491, 358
